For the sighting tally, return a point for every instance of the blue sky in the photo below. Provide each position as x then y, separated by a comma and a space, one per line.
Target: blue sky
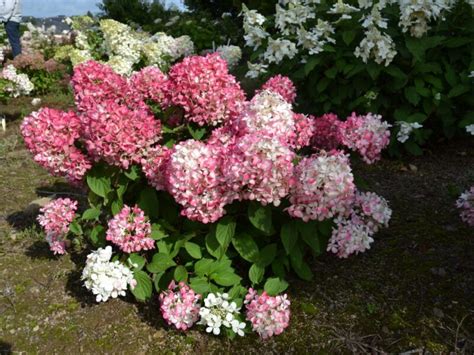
47, 8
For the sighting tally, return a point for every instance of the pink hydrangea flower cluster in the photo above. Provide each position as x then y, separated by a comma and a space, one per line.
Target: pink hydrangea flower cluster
95, 83
328, 130
466, 204
260, 167
324, 187
268, 315
50, 136
154, 165
195, 180
55, 218
117, 134
130, 230
203, 87
304, 131
267, 112
368, 135
180, 306
150, 84
281, 85
354, 234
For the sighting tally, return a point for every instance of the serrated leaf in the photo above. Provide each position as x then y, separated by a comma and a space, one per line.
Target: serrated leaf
246, 247
225, 231
116, 207
157, 232
160, 262
309, 233
226, 278
261, 217
213, 246
144, 287
193, 249
200, 285
97, 236
289, 236
180, 273
203, 267
275, 285
99, 182
75, 228
256, 273
267, 255
196, 132
137, 261
133, 173
91, 214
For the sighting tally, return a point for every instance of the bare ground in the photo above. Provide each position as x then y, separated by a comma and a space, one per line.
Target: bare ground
413, 291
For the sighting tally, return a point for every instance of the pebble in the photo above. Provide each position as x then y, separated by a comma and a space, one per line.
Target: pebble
35, 329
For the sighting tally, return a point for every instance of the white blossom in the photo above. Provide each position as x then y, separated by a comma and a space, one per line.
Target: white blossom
470, 129
278, 49
231, 54
405, 130
376, 45
218, 311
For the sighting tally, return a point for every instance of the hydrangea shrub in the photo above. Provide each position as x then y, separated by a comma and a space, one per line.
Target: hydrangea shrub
196, 192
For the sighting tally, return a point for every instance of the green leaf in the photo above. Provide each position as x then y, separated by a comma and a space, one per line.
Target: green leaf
261, 217
75, 228
91, 213
193, 249
98, 181
275, 285
395, 72
157, 232
144, 287
331, 72
225, 231
180, 273
267, 254
311, 64
289, 236
309, 233
226, 278
213, 246
197, 132
458, 91
116, 206
204, 267
302, 270
156, 281
374, 70
256, 273
148, 202
413, 148
348, 36
325, 227
138, 260
160, 262
200, 285
133, 173
97, 236
246, 247
412, 96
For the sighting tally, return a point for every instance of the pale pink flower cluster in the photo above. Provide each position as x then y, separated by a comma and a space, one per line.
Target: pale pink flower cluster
55, 218
269, 113
281, 85
117, 134
150, 83
50, 135
130, 230
368, 135
195, 180
354, 234
260, 167
180, 306
304, 131
328, 130
268, 315
203, 87
466, 204
324, 187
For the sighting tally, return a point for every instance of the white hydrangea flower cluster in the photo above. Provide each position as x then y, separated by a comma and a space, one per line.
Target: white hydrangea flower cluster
104, 278
160, 48
405, 130
289, 19
19, 84
218, 312
315, 39
231, 54
254, 31
342, 9
470, 129
415, 14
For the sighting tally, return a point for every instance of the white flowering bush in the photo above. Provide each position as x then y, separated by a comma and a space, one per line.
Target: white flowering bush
408, 60
14, 84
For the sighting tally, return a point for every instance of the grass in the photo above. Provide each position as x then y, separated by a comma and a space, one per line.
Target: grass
412, 291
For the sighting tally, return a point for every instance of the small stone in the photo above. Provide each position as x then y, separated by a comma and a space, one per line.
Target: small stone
35, 329
413, 168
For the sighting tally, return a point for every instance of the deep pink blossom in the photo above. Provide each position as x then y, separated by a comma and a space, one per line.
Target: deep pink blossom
154, 165
203, 87
56, 218
195, 180
328, 130
324, 187
281, 85
119, 135
130, 230
180, 306
466, 204
150, 83
268, 315
50, 135
304, 131
368, 135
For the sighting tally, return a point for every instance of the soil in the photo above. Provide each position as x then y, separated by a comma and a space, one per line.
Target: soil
412, 291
